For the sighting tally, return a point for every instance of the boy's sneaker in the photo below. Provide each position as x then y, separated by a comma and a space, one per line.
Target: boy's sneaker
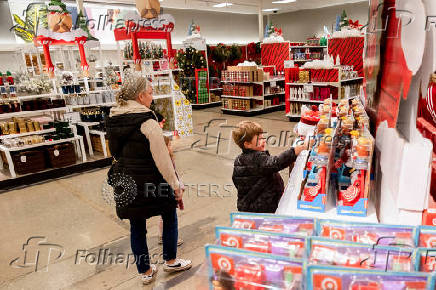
179, 241
179, 265
147, 279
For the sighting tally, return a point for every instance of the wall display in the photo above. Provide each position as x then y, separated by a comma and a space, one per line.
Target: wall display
275, 54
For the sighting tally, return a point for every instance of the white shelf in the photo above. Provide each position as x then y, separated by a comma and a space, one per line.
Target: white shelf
281, 93
241, 82
215, 89
353, 79
308, 46
251, 110
27, 134
293, 116
91, 105
22, 98
243, 98
306, 101
88, 124
302, 60
30, 113
157, 97
97, 132
48, 143
274, 80
333, 84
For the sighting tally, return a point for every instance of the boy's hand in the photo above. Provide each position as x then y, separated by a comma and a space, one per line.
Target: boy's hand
298, 149
179, 194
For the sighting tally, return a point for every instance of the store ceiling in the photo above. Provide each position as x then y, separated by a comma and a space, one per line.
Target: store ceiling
241, 6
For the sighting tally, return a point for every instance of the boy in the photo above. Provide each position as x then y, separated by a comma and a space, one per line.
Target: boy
256, 173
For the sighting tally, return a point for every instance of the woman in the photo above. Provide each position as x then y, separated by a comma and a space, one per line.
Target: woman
143, 176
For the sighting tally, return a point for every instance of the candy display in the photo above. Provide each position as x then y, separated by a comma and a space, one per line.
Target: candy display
280, 244
240, 269
327, 277
373, 234
339, 253
273, 223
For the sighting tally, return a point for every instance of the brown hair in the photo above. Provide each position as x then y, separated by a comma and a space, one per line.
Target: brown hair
245, 132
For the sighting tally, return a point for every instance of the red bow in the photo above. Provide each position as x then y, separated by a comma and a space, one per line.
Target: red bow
354, 24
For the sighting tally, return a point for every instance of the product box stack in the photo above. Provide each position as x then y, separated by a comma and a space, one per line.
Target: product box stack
267, 251
237, 104
203, 95
243, 74
339, 165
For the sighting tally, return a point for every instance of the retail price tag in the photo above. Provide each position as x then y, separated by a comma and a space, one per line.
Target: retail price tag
56, 153
308, 88
23, 159
273, 84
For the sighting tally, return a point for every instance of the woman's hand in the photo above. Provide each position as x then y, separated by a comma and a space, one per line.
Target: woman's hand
179, 194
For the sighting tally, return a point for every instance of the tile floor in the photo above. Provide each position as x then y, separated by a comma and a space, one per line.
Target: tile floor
70, 217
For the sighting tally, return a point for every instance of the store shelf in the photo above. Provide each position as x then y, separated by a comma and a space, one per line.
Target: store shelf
88, 124
267, 95
333, 84
31, 97
308, 46
157, 97
243, 98
353, 79
27, 134
206, 105
30, 113
302, 60
241, 82
274, 80
274, 106
91, 105
306, 101
215, 89
97, 132
293, 115
20, 148
251, 110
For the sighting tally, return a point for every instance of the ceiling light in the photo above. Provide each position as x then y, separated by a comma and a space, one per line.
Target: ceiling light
284, 1
270, 9
224, 4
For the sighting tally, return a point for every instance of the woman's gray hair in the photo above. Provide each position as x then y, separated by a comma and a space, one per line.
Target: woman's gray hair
133, 85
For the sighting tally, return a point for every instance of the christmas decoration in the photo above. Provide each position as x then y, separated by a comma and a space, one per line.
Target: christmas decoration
59, 18
273, 34
148, 8
193, 30
344, 19
188, 61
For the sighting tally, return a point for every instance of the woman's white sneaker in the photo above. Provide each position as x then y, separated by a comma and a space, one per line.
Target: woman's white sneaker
148, 279
178, 265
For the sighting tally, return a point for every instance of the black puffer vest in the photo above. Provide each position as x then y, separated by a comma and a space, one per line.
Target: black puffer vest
134, 159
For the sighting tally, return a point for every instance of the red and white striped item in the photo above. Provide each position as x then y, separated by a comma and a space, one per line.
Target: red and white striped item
431, 101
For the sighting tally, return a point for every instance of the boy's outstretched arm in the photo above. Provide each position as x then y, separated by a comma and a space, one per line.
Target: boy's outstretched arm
271, 164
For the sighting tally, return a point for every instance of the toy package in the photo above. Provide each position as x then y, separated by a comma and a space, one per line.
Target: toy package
366, 233
316, 177
231, 268
263, 242
427, 237
273, 223
347, 254
425, 260
332, 278
354, 147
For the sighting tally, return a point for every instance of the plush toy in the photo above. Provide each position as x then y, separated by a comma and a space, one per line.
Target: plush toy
59, 19
148, 8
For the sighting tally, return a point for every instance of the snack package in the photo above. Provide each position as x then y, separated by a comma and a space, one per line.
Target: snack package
273, 223
366, 233
426, 237
347, 254
337, 278
425, 260
231, 268
279, 244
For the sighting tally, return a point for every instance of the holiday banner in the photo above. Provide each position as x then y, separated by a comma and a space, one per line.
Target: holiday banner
350, 51
275, 54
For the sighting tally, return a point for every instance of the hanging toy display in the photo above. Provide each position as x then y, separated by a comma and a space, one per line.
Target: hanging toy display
148, 8
59, 18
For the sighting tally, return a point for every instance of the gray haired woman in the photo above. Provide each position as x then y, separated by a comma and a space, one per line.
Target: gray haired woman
144, 180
